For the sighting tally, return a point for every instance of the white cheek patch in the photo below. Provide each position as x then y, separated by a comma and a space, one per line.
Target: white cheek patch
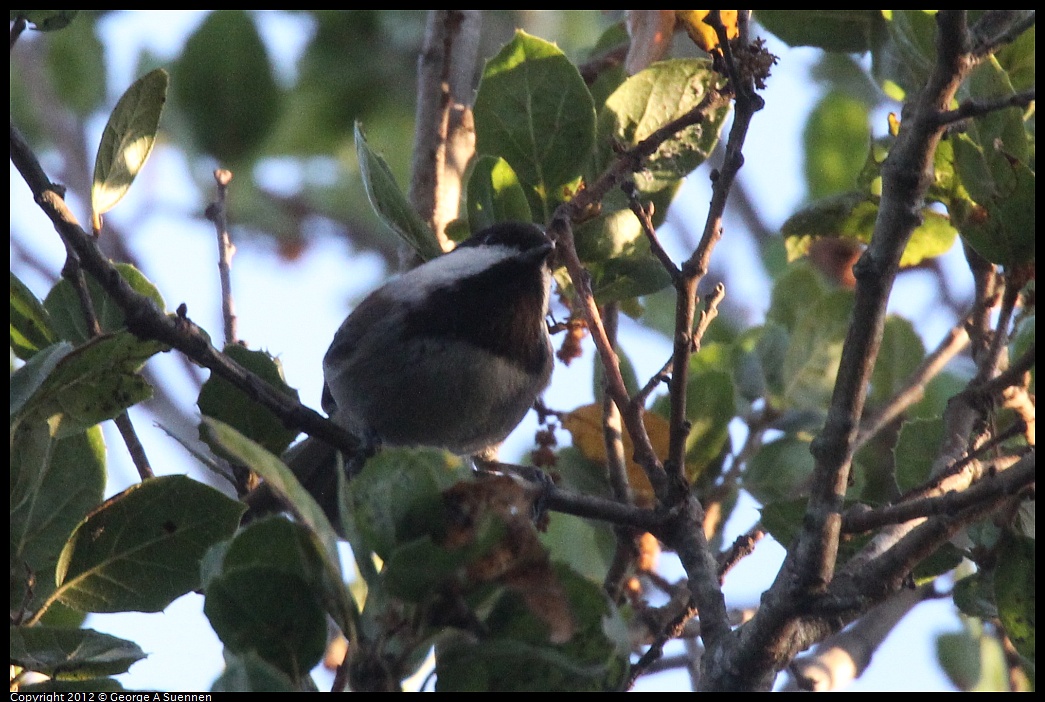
415, 285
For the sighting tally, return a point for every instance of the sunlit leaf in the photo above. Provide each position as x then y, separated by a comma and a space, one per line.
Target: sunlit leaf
127, 141
533, 110
852, 216
495, 194
651, 99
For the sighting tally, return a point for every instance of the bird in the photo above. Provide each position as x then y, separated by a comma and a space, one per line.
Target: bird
451, 354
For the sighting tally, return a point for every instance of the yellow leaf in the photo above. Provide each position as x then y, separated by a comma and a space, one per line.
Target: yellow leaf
702, 33
585, 426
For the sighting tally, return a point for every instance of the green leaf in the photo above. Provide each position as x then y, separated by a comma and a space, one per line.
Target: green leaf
852, 215
27, 380
617, 253
127, 141
63, 304
398, 496
54, 484
749, 376
219, 399
85, 688
934, 237
973, 660
226, 88
515, 655
75, 63
586, 544
815, 350
1018, 60
1014, 588
903, 63
836, 136
844, 31
916, 448
72, 654
793, 292
974, 595
783, 520
90, 384
778, 471
269, 595
276, 474
249, 672
495, 194
942, 560
280, 479
651, 99
270, 612
995, 207
899, 355
31, 328
710, 406
142, 549
390, 203
533, 110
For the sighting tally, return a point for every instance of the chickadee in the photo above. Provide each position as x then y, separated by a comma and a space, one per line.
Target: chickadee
451, 354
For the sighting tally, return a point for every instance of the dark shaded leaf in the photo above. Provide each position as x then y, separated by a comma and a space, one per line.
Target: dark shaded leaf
72, 654
142, 549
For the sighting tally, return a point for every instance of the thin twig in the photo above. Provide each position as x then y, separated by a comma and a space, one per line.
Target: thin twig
978, 108
217, 212
996, 28
743, 546
913, 388
1010, 481
625, 551
134, 445
644, 214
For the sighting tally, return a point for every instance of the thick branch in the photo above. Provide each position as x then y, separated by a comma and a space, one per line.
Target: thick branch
444, 140
778, 630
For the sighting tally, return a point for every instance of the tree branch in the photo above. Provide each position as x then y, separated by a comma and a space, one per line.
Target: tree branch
444, 137
769, 641
217, 212
146, 321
